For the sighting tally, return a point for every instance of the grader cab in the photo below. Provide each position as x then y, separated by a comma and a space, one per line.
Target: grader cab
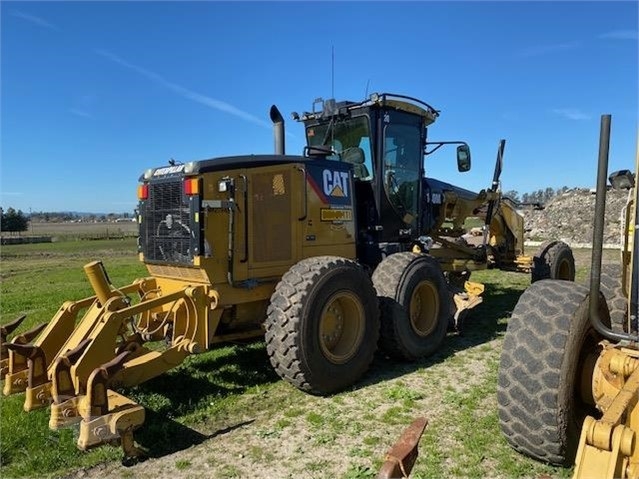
568, 388
327, 255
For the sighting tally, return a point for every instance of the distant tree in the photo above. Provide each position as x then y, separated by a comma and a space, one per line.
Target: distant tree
525, 198
512, 194
548, 194
14, 221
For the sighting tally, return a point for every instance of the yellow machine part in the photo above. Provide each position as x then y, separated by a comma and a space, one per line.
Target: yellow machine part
507, 225
75, 361
608, 446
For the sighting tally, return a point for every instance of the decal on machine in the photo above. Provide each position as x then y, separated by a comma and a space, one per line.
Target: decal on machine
332, 185
336, 215
168, 170
335, 183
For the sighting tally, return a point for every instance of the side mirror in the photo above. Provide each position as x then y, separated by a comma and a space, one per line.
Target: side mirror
622, 180
463, 158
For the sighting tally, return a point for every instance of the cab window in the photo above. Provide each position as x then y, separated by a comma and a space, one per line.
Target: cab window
350, 141
402, 161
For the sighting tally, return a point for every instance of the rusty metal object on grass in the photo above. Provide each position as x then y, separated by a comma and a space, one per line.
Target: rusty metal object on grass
401, 458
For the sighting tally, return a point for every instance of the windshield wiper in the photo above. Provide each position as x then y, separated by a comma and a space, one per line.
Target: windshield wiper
329, 130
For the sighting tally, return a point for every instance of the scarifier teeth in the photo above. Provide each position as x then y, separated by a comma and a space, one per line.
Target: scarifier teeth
24, 338
9, 328
5, 331
63, 387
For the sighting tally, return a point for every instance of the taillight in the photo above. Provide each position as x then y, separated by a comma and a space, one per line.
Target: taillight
143, 191
191, 186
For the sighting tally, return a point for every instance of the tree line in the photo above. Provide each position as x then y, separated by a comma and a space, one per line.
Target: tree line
13, 221
539, 196
61, 217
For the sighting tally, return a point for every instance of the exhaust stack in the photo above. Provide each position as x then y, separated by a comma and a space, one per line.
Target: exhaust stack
278, 130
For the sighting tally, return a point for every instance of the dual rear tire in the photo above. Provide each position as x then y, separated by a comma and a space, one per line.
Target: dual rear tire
415, 305
323, 321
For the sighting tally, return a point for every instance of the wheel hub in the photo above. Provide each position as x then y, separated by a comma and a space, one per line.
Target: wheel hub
341, 327
334, 327
424, 308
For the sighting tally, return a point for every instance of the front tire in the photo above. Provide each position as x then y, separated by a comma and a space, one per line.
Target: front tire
415, 305
553, 260
548, 345
322, 324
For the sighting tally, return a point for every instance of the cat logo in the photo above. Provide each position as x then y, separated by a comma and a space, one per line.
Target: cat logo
335, 183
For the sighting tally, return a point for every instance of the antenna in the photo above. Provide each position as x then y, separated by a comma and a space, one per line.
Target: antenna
366, 92
332, 71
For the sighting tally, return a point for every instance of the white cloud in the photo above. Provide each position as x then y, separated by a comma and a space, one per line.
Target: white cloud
538, 50
185, 92
81, 113
39, 21
572, 114
621, 35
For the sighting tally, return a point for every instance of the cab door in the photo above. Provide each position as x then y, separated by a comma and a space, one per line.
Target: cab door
401, 172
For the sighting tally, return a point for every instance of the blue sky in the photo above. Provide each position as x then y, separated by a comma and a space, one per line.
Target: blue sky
92, 94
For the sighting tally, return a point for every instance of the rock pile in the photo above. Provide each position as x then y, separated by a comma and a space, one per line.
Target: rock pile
570, 216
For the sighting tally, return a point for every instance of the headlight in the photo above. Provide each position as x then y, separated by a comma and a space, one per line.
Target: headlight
148, 174
222, 186
190, 167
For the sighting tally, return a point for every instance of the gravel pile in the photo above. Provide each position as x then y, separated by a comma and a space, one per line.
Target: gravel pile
569, 217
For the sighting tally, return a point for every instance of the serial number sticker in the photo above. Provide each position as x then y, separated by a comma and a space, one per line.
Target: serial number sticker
336, 215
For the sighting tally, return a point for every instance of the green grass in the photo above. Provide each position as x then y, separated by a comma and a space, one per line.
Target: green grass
232, 390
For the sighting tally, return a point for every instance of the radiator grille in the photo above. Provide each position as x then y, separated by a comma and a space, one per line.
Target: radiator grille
166, 223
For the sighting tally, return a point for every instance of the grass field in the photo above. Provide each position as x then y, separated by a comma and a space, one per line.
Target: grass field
78, 231
225, 413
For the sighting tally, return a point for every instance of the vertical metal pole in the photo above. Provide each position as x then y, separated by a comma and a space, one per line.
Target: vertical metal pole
597, 237
600, 209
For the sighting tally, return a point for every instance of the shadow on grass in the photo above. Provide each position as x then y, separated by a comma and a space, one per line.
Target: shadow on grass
483, 324
160, 436
205, 386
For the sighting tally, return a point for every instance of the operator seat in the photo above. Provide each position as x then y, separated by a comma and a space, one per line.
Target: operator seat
356, 157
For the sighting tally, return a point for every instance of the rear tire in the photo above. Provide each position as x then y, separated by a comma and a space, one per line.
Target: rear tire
549, 337
612, 290
322, 324
415, 305
553, 260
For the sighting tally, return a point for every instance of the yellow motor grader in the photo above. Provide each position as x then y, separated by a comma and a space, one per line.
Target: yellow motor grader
570, 361
326, 255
